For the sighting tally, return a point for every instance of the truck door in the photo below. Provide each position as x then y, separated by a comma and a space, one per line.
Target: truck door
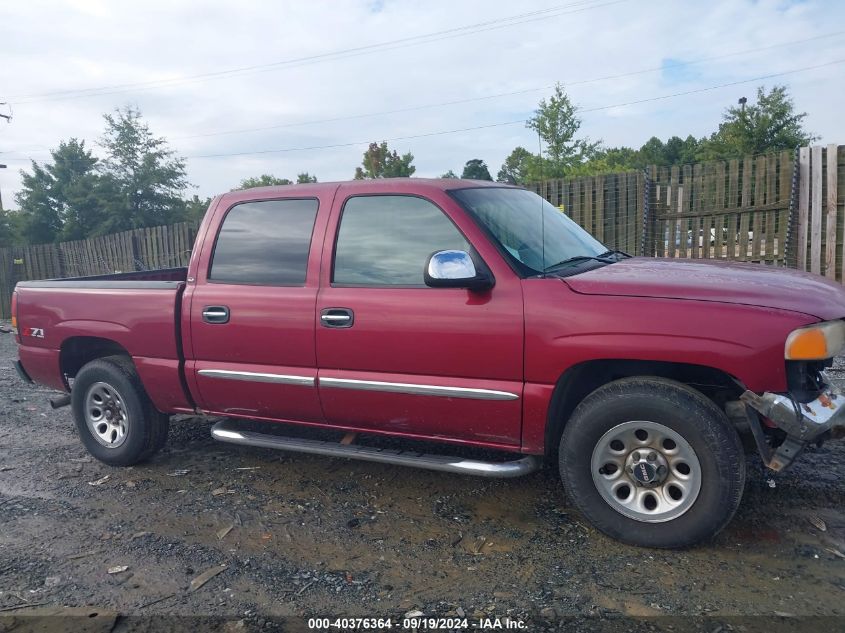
395, 355
252, 312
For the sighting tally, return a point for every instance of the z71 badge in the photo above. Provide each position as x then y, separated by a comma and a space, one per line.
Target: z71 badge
34, 332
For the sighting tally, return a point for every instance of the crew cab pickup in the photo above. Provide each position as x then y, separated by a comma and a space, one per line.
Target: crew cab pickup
458, 312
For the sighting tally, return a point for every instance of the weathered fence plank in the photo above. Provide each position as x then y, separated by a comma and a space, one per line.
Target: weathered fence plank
830, 230
784, 197
771, 216
816, 210
599, 215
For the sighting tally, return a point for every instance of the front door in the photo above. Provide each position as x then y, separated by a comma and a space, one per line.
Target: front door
397, 356
252, 314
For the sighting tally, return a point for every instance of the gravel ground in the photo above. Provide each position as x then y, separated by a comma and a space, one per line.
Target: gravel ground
304, 535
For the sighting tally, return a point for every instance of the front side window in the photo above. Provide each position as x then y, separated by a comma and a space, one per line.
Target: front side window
386, 240
265, 243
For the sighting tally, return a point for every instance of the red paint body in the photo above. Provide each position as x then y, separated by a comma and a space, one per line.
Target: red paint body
520, 337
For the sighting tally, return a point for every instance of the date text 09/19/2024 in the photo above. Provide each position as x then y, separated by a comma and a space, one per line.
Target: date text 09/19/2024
415, 624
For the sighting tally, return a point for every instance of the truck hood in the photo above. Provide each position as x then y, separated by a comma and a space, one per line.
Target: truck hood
725, 282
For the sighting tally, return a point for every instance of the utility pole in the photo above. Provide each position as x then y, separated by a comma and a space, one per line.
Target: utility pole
8, 118
741, 102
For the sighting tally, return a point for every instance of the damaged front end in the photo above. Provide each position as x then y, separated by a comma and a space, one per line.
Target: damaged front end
801, 422
812, 410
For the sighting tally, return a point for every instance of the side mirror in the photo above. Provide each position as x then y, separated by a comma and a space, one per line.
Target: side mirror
455, 269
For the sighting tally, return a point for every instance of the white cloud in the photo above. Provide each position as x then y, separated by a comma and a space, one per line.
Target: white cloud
56, 46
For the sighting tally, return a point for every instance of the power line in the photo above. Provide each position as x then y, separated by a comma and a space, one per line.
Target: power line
708, 88
504, 123
500, 94
427, 38
504, 94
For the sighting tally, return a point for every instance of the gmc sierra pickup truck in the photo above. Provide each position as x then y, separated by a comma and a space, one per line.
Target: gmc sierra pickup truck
457, 312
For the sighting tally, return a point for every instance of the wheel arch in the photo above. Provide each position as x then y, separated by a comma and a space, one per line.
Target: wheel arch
580, 380
77, 351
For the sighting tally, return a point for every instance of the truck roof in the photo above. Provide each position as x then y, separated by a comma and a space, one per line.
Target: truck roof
378, 185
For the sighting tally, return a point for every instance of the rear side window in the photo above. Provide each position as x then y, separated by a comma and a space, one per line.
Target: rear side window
386, 240
265, 243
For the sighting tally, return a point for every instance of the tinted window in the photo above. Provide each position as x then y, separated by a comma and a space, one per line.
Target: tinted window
386, 240
265, 243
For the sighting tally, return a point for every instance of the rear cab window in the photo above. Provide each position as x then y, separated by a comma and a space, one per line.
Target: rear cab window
264, 243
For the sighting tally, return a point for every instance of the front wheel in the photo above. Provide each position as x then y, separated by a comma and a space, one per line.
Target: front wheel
116, 421
652, 462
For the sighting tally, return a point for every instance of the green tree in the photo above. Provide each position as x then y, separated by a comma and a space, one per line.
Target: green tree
7, 237
675, 151
449, 174
43, 221
608, 161
305, 178
145, 177
380, 162
518, 168
556, 122
195, 208
11, 225
264, 180
476, 169
78, 190
770, 125
615, 159
653, 152
62, 200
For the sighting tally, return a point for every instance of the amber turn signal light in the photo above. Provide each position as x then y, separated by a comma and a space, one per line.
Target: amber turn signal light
816, 342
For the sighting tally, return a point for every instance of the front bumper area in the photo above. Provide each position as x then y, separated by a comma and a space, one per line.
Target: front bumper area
802, 422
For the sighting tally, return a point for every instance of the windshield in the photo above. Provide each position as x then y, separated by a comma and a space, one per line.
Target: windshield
519, 220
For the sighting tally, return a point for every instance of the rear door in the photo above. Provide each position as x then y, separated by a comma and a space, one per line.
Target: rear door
397, 356
252, 315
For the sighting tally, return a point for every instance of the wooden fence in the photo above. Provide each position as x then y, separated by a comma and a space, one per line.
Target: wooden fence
766, 209
609, 206
821, 211
140, 249
739, 209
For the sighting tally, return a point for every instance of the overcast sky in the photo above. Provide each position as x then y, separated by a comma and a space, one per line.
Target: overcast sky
329, 74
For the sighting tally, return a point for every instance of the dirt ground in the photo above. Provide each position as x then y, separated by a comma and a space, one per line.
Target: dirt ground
304, 535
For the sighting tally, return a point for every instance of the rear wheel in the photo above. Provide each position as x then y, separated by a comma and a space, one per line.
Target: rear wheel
116, 421
652, 462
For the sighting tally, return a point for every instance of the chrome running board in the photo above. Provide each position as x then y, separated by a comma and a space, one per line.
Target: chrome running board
228, 431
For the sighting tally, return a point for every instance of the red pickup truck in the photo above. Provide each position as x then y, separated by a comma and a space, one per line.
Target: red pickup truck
458, 312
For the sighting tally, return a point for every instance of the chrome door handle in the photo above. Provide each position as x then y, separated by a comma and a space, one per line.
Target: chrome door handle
215, 314
337, 317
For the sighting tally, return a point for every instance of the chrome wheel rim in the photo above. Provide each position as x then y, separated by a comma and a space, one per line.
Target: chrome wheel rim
105, 415
646, 471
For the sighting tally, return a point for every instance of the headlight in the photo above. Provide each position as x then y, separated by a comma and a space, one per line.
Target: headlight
816, 342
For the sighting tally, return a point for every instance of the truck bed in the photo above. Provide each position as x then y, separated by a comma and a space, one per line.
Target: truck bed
140, 311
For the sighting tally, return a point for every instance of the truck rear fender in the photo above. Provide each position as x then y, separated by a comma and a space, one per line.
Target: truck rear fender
161, 377
78, 351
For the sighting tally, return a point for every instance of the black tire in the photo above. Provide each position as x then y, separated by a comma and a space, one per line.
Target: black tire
146, 428
684, 411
